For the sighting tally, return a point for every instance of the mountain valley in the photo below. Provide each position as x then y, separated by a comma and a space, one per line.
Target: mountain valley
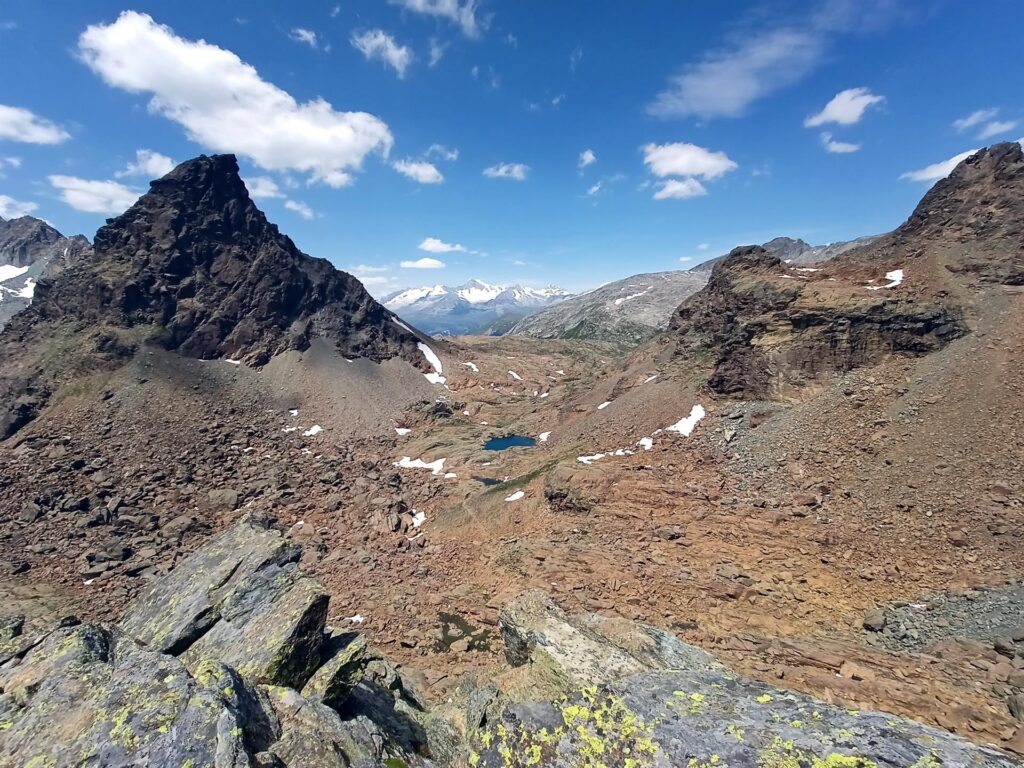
226, 462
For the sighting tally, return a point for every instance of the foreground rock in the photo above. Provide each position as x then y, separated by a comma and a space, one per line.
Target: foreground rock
204, 671
622, 694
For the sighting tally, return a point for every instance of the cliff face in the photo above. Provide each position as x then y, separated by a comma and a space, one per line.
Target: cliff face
769, 328
194, 267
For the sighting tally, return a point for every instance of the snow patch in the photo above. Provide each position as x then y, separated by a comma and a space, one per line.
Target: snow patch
290, 429
515, 496
436, 467
543, 436
472, 367
650, 378
686, 425
316, 429
895, 278
294, 412
28, 291
233, 362
357, 619
435, 362
9, 271
646, 443
631, 296
400, 324
515, 375
418, 518
604, 405
402, 431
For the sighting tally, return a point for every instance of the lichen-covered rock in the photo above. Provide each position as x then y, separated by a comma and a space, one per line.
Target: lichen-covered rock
681, 709
270, 628
94, 697
179, 608
345, 658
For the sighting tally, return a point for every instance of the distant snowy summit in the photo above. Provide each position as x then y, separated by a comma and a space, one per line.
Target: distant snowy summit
475, 307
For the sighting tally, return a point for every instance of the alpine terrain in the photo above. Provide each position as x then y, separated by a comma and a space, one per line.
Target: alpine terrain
767, 512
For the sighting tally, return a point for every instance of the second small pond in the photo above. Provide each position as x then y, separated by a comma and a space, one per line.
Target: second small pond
509, 441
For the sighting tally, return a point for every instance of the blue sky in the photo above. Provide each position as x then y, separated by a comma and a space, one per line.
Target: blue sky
708, 124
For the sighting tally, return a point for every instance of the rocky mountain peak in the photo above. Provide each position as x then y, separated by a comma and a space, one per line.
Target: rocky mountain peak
195, 257
25, 239
982, 198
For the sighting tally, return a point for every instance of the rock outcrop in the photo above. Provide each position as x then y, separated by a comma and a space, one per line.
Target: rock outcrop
206, 669
193, 267
767, 328
622, 694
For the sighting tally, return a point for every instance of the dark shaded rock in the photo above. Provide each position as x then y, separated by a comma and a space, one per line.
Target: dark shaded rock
874, 620
345, 658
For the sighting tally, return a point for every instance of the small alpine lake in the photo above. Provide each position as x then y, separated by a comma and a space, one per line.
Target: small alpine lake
509, 441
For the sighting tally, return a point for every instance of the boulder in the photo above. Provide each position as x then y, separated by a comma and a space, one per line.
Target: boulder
178, 609
345, 658
270, 628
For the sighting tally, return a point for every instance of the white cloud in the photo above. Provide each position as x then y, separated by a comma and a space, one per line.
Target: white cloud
365, 269
94, 196
846, 108
8, 162
262, 188
148, 163
335, 11
575, 58
837, 147
373, 280
704, 246
378, 44
442, 152
437, 50
299, 207
975, 118
433, 245
423, 172
14, 209
424, 263
676, 189
461, 13
224, 105
682, 159
685, 259
516, 171
371, 276
595, 189
937, 171
587, 157
306, 36
17, 124
997, 127
519, 263
725, 82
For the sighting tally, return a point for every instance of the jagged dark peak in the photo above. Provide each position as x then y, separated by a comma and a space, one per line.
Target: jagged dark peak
747, 257
195, 258
982, 197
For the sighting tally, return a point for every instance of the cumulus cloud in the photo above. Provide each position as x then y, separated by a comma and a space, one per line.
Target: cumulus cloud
679, 189
837, 147
108, 197
587, 157
224, 105
593, 190
442, 152
148, 163
306, 36
17, 124
14, 209
461, 13
515, 171
433, 245
975, 118
997, 127
262, 188
845, 108
299, 207
682, 159
421, 171
371, 276
424, 263
376, 44
937, 171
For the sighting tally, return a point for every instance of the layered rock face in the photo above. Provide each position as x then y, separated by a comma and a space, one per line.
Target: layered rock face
768, 328
194, 267
227, 662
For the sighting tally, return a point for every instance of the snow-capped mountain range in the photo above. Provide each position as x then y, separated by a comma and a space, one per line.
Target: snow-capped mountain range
475, 307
